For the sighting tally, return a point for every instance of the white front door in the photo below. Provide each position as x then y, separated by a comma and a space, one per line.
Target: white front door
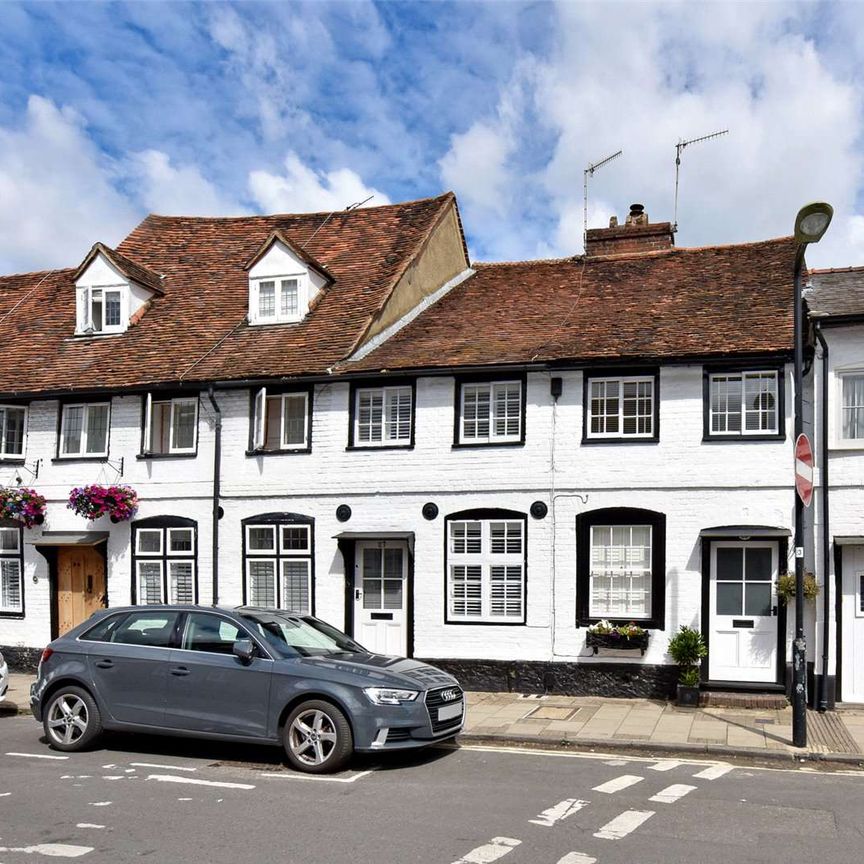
852, 671
381, 596
743, 621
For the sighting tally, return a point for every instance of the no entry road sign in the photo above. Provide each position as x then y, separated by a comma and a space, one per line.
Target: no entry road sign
804, 469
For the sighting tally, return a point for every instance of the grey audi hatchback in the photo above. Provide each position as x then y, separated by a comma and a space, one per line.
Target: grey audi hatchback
263, 676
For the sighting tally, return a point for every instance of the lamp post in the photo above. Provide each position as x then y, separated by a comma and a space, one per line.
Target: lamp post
810, 224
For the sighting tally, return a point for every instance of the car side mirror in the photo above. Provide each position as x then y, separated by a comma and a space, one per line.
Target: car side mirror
244, 649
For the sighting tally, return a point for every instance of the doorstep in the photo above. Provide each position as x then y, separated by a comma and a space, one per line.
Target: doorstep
729, 699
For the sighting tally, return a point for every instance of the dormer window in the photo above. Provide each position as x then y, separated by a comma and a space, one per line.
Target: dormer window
101, 310
283, 282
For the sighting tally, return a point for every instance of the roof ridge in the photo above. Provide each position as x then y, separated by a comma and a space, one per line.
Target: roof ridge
5, 276
852, 268
563, 260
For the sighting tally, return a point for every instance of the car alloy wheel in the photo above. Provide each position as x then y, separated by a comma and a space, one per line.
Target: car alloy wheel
317, 738
72, 720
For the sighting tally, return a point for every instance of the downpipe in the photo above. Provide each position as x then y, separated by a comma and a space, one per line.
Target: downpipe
217, 472
826, 536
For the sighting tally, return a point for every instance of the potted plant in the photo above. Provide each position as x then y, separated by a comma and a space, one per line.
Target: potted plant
604, 634
687, 648
91, 502
23, 504
785, 586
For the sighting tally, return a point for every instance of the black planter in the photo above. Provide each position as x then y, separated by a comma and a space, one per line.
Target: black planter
617, 641
688, 697
115, 519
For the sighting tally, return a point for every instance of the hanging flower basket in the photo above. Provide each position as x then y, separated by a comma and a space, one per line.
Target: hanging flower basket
625, 637
25, 505
91, 502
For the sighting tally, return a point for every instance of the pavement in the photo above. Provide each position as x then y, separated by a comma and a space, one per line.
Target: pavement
582, 723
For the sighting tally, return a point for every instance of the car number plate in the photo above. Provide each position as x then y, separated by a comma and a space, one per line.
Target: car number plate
450, 711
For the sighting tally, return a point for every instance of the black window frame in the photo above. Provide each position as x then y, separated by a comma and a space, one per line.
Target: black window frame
621, 516
373, 384
163, 523
19, 556
589, 375
459, 384
309, 392
279, 520
486, 514
779, 367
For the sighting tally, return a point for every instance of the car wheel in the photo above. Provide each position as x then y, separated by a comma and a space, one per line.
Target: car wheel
317, 738
72, 719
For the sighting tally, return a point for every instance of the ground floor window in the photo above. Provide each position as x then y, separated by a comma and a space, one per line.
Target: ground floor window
278, 555
486, 563
165, 560
620, 566
11, 571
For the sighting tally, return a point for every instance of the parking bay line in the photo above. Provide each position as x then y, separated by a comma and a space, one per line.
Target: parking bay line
286, 776
624, 824
619, 783
714, 772
37, 756
577, 858
672, 793
194, 781
496, 848
54, 850
560, 811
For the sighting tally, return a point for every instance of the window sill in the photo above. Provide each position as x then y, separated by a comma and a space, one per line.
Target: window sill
608, 642
467, 445
146, 456
286, 452
59, 459
12, 460
742, 439
374, 447
622, 440
11, 615
484, 622
644, 623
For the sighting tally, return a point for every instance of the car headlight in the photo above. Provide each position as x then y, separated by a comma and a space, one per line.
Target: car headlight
390, 695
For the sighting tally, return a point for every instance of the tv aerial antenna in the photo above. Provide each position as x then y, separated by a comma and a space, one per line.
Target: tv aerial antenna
679, 147
589, 172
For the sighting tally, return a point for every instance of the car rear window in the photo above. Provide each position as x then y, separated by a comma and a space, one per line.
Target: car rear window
103, 629
150, 628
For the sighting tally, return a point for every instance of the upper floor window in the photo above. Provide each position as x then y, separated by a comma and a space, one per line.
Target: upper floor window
11, 571
486, 567
491, 412
852, 407
281, 421
164, 550
84, 429
101, 310
744, 404
13, 419
170, 425
621, 407
382, 416
278, 562
279, 299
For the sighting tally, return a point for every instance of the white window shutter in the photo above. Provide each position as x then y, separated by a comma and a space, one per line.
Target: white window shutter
260, 419
82, 316
148, 422
253, 302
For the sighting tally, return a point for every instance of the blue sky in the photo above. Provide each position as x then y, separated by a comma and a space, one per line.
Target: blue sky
110, 111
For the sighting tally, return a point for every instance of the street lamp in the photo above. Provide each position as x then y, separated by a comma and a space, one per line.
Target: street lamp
810, 224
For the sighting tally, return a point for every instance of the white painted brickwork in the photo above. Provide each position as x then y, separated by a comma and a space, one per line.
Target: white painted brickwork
695, 484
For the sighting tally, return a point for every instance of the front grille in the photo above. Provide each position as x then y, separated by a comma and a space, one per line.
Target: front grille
435, 700
399, 734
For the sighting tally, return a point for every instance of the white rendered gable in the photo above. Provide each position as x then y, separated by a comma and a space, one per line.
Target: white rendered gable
102, 275
277, 266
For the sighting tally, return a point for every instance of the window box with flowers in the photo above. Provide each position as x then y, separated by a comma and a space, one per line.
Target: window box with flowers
22, 504
627, 637
118, 502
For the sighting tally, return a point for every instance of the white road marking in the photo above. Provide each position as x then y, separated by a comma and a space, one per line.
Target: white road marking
616, 763
560, 811
37, 756
88, 825
672, 793
109, 765
184, 799
55, 850
5, 794
496, 848
577, 858
129, 770
84, 776
194, 781
622, 825
100, 803
293, 776
114, 777
619, 783
666, 765
714, 772
157, 765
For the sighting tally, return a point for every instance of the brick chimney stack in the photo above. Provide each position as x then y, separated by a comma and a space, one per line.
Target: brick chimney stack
637, 235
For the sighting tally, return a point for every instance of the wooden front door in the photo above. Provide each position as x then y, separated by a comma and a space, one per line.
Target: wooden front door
80, 585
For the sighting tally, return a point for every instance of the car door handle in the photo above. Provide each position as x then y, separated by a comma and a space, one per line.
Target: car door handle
180, 671
105, 664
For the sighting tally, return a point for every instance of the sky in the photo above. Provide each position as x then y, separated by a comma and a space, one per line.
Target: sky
112, 111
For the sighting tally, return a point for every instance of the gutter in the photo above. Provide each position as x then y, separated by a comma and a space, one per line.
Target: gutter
217, 471
822, 703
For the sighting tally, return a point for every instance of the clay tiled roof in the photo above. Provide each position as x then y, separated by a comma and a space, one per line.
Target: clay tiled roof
197, 330
714, 301
125, 265
837, 293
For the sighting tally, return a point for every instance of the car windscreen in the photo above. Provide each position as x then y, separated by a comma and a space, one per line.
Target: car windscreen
306, 636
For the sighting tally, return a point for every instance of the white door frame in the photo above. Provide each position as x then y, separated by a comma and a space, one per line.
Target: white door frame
714, 629
361, 617
850, 588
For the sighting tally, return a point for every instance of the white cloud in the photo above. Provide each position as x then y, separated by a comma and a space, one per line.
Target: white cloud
300, 189
57, 192
164, 188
